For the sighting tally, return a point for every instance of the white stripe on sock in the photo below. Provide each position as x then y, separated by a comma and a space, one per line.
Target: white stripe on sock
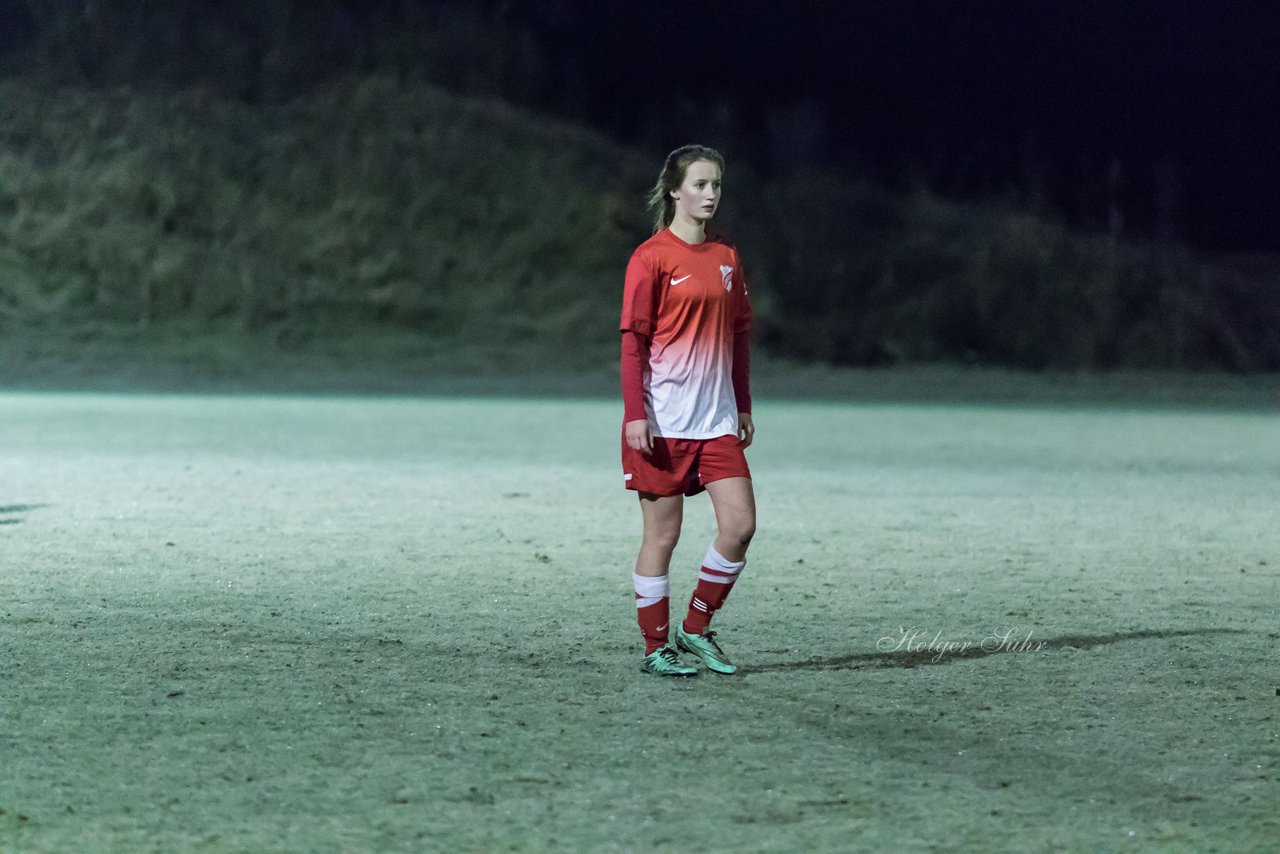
715, 560
650, 588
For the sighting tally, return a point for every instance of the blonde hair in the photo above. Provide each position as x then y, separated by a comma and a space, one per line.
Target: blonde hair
673, 172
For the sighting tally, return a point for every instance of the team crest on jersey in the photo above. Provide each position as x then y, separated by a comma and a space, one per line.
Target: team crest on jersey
725, 273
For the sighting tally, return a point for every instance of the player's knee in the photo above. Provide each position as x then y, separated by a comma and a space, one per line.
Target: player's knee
662, 537
741, 530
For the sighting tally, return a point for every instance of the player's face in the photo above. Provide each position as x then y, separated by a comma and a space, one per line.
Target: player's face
699, 196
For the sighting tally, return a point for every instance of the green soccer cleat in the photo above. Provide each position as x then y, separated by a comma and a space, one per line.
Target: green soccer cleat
706, 648
664, 662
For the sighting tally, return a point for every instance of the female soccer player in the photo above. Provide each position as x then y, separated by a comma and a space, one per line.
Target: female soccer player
686, 324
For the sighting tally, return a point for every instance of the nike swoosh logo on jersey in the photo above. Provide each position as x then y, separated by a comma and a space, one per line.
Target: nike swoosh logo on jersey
662, 628
679, 280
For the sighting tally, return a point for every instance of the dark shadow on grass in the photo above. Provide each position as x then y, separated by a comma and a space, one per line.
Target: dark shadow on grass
10, 509
926, 657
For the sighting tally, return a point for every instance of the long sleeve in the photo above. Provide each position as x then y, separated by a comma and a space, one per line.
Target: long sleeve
635, 355
742, 369
640, 294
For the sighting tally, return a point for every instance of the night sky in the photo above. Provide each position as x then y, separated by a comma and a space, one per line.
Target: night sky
977, 99
1168, 108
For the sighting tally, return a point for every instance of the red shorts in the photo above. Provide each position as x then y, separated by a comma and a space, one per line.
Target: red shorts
683, 466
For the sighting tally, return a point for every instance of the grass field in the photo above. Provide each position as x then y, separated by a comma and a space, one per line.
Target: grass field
253, 623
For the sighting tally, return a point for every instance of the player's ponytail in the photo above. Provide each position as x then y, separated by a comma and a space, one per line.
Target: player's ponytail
673, 172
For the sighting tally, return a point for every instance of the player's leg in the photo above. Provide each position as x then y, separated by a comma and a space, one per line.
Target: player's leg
662, 519
733, 500
663, 516
735, 507
660, 478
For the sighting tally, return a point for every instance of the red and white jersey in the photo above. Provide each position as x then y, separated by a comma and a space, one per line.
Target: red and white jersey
690, 300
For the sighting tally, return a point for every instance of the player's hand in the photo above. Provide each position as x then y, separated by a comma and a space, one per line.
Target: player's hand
638, 436
746, 429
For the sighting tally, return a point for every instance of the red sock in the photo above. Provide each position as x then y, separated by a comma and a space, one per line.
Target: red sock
715, 580
652, 609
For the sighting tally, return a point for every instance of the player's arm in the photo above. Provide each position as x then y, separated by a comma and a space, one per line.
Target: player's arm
742, 385
639, 308
741, 374
635, 355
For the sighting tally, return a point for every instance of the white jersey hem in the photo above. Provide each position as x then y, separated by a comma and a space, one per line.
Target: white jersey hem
715, 434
